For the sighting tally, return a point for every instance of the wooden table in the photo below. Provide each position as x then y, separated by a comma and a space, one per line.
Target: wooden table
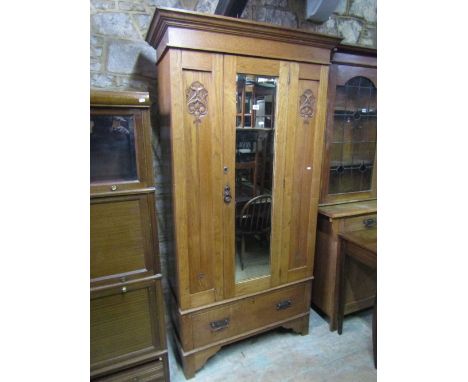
361, 246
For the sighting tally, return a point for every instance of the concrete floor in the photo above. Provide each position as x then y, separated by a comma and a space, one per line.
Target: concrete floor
281, 355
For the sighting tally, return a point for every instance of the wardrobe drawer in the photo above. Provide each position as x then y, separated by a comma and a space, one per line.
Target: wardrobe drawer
360, 222
248, 314
123, 238
150, 372
127, 324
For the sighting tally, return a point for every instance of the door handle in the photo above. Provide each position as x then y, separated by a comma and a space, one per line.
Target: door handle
227, 194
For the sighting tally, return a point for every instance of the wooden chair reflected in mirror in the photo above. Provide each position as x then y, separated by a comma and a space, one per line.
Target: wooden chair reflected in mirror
254, 222
252, 163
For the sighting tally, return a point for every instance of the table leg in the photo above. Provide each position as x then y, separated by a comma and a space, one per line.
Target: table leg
342, 261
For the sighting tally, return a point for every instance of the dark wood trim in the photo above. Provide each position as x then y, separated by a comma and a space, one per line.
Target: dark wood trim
231, 8
354, 55
119, 98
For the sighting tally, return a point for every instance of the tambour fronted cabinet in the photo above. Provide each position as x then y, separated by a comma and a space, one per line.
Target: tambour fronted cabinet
242, 111
349, 178
126, 312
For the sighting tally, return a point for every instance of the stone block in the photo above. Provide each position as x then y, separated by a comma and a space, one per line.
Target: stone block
128, 57
142, 21
206, 6
96, 40
114, 24
329, 27
163, 3
129, 6
273, 3
275, 16
367, 9
96, 51
95, 65
350, 30
368, 37
96, 44
103, 4
129, 83
99, 80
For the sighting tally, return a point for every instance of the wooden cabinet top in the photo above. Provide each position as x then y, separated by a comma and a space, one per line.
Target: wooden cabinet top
119, 98
355, 55
172, 28
349, 209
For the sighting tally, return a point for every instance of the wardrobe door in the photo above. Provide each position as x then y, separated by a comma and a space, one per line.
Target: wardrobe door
196, 120
255, 120
303, 142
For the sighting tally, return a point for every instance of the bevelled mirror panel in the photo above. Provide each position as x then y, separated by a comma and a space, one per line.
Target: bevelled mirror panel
255, 124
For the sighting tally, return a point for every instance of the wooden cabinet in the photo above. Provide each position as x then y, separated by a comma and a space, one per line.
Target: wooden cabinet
120, 144
349, 178
126, 310
360, 281
242, 110
350, 164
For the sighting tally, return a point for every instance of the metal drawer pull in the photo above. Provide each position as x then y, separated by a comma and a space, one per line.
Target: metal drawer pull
124, 289
368, 223
113, 187
219, 325
283, 304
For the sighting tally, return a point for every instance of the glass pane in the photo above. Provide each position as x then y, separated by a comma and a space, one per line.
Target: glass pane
254, 174
112, 148
354, 137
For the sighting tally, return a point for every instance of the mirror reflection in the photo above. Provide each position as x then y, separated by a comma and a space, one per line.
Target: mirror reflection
112, 148
256, 101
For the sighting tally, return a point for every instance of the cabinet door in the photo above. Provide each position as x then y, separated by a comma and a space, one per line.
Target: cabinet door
123, 238
120, 150
196, 120
272, 138
349, 169
127, 325
303, 141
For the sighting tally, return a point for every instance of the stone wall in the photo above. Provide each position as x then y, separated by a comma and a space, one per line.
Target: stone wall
354, 20
121, 59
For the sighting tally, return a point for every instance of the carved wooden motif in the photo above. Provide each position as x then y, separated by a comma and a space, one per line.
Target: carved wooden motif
307, 104
197, 101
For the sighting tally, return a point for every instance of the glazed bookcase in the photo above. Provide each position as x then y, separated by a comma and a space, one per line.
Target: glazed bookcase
127, 328
348, 200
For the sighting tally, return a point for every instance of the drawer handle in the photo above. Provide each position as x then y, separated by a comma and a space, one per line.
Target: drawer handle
216, 326
283, 304
368, 223
124, 289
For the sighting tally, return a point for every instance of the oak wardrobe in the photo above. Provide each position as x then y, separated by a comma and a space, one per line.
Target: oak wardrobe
242, 113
